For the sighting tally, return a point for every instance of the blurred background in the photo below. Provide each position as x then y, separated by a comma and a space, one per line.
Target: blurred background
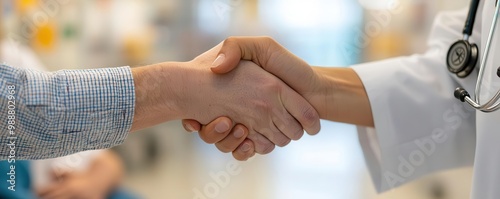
167, 162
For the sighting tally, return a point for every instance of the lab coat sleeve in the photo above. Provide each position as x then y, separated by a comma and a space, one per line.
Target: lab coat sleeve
420, 127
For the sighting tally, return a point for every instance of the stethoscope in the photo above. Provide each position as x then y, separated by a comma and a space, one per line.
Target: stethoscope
462, 58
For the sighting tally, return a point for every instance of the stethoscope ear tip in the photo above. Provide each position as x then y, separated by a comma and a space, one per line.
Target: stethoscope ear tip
460, 93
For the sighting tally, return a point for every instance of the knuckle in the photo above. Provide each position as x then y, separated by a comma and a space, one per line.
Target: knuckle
298, 134
241, 156
268, 39
263, 105
268, 149
229, 40
291, 127
310, 116
272, 85
223, 148
284, 142
206, 138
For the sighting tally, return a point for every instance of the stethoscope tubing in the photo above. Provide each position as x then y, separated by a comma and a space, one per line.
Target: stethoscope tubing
492, 104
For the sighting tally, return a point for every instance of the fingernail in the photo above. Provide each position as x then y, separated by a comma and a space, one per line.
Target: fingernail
219, 60
245, 147
238, 133
190, 128
221, 127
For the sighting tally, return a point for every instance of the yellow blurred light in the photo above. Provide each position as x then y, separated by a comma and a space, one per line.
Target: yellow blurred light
24, 6
45, 37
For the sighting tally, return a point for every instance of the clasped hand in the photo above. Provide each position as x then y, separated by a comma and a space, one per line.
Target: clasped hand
256, 109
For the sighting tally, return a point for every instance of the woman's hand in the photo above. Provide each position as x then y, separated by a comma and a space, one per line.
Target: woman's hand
226, 138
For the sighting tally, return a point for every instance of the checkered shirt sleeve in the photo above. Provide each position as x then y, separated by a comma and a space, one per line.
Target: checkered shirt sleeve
64, 112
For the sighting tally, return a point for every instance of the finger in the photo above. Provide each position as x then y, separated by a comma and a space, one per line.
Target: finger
233, 140
301, 110
191, 125
274, 135
287, 124
216, 130
262, 144
245, 151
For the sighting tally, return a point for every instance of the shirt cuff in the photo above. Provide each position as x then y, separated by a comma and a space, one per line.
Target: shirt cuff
85, 109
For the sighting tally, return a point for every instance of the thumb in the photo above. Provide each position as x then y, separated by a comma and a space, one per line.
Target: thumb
191, 125
235, 49
228, 58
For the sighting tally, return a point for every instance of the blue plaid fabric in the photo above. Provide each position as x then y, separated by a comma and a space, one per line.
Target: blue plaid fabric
65, 112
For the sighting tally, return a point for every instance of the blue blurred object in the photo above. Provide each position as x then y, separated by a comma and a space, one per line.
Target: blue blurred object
121, 193
22, 180
23, 188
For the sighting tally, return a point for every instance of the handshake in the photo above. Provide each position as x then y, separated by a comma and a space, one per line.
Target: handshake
248, 95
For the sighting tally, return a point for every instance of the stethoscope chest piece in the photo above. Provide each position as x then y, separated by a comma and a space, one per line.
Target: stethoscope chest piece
462, 58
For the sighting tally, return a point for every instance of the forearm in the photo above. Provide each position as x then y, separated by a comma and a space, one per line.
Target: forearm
157, 90
342, 97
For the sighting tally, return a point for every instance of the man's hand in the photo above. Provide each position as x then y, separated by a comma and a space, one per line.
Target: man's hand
74, 185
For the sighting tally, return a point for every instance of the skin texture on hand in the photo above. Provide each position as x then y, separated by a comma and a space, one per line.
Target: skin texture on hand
273, 112
337, 93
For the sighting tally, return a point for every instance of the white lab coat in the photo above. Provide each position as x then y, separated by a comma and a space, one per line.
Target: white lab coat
420, 127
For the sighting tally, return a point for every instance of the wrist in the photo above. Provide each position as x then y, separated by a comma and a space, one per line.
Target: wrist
344, 97
321, 93
159, 93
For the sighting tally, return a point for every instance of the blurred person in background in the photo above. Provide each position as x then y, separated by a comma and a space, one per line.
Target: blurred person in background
85, 175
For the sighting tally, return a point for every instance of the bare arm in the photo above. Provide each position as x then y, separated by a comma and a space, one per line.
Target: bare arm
157, 91
342, 97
